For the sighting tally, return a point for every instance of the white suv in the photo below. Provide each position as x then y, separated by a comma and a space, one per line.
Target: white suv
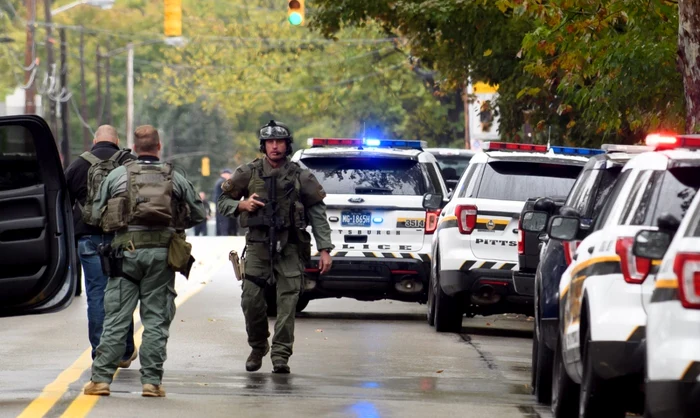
475, 247
673, 311
602, 318
381, 229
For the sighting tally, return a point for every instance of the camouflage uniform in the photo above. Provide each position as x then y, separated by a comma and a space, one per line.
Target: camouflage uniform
289, 262
150, 281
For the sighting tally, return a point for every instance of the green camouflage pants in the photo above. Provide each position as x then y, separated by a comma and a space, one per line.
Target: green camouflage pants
156, 291
288, 272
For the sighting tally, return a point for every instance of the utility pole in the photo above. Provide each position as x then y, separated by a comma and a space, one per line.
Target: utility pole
98, 75
50, 64
83, 94
30, 92
467, 128
130, 96
108, 95
65, 144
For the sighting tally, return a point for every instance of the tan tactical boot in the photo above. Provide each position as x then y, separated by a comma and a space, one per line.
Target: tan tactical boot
124, 364
254, 361
153, 391
97, 389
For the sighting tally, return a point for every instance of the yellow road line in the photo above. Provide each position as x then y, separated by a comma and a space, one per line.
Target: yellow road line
55, 390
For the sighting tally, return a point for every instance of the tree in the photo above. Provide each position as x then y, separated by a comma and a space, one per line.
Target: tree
689, 61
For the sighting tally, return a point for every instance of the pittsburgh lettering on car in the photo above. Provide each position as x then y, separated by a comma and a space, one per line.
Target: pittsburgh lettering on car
502, 243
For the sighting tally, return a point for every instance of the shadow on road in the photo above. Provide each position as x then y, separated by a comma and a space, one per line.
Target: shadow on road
497, 331
373, 316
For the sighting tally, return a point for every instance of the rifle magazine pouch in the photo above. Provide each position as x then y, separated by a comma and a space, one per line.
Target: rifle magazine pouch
179, 253
115, 215
104, 252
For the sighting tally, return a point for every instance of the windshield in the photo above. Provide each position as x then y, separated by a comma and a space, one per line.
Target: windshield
386, 176
519, 181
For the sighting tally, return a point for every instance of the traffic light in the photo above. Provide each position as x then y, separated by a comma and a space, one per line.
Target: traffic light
295, 12
205, 167
173, 18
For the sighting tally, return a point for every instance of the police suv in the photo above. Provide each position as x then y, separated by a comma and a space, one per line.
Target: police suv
475, 246
602, 318
673, 308
383, 200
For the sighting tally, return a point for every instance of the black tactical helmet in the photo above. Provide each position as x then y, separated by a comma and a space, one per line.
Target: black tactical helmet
275, 130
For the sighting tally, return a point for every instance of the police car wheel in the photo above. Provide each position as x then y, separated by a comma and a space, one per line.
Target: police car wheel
564, 391
448, 316
431, 301
542, 361
599, 398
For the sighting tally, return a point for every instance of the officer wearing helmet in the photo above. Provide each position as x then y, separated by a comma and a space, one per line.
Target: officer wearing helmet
280, 261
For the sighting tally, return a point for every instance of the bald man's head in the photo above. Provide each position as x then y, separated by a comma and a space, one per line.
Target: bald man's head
106, 133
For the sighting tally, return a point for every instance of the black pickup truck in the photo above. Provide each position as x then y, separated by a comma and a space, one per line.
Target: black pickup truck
530, 243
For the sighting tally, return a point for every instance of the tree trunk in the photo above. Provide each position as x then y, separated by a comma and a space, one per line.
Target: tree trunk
689, 60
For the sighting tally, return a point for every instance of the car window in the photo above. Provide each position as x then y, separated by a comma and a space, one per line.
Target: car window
433, 179
610, 202
19, 166
606, 183
376, 175
471, 180
453, 166
693, 229
640, 187
518, 181
673, 191
582, 190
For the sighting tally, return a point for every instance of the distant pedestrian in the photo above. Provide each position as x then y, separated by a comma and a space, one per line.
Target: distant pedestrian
201, 229
224, 226
94, 165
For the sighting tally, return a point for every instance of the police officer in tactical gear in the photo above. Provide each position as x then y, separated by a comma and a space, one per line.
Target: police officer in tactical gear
149, 206
281, 199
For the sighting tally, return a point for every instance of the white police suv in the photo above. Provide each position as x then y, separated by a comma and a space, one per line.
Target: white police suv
672, 369
383, 200
475, 246
602, 318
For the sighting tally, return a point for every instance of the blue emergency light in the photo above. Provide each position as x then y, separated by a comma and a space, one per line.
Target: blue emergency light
366, 143
576, 151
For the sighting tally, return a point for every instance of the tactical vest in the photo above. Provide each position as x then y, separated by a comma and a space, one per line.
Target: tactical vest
290, 210
148, 200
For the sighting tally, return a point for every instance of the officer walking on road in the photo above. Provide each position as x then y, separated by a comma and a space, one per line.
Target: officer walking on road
149, 206
280, 197
84, 177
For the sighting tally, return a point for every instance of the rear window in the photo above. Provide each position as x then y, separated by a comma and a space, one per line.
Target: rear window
452, 167
519, 181
385, 176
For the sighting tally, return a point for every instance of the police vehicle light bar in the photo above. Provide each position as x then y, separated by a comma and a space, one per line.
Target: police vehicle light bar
629, 149
366, 142
666, 141
575, 151
512, 146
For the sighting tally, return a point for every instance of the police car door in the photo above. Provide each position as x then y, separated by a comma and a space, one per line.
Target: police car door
36, 227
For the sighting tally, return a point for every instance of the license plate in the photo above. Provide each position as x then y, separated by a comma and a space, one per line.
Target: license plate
361, 219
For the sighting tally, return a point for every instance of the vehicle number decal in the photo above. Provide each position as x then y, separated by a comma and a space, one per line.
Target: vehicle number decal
410, 223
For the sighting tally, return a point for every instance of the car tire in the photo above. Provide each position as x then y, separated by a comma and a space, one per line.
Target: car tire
533, 373
565, 392
543, 361
599, 398
448, 316
431, 301
302, 303
270, 293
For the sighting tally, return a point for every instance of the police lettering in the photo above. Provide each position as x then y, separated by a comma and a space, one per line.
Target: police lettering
502, 243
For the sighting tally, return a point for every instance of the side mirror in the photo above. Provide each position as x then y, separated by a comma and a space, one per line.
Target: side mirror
432, 201
534, 221
651, 244
563, 228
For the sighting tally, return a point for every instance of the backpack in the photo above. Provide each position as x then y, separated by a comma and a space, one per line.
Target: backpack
150, 192
98, 171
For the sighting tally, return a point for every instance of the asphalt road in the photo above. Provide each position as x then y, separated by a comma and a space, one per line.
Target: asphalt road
352, 359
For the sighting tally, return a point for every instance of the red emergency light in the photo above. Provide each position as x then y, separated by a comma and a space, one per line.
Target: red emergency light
512, 146
325, 142
670, 141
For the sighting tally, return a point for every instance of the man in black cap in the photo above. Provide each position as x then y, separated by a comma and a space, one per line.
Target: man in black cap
224, 225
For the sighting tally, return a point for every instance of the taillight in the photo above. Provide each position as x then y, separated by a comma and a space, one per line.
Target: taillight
521, 242
569, 250
431, 221
634, 269
466, 218
687, 269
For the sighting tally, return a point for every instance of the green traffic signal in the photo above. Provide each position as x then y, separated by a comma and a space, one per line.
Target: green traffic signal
295, 18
